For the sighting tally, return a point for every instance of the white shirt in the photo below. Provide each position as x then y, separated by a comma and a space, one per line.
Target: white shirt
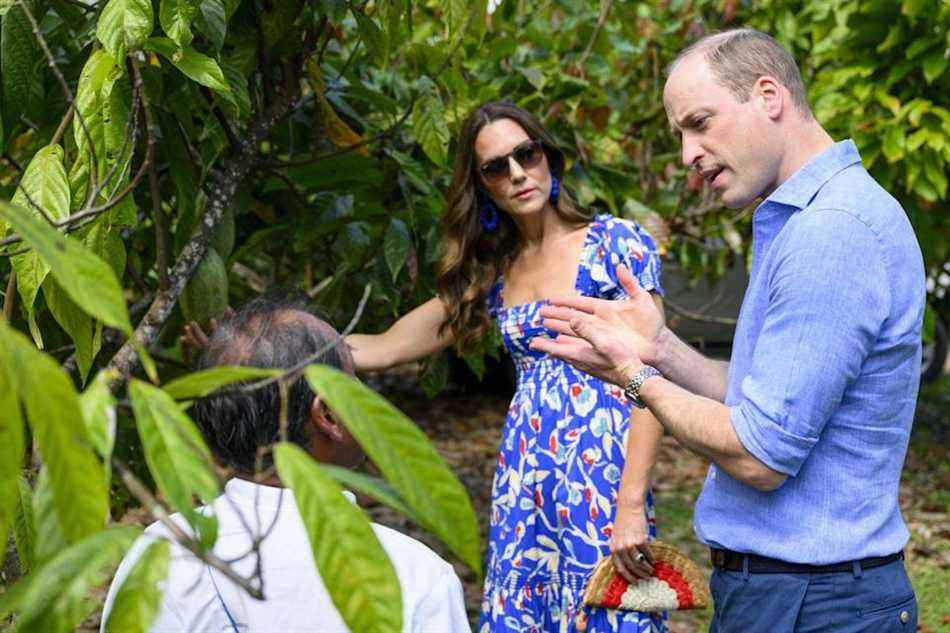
296, 598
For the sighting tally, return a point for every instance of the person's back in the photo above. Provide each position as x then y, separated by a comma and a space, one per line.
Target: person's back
199, 599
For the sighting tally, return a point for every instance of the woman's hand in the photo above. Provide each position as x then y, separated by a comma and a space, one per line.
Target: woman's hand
628, 543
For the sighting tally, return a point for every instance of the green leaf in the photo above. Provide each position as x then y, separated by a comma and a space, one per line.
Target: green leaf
358, 575
76, 476
86, 279
124, 25
49, 538
893, 144
19, 53
435, 376
200, 383
396, 246
98, 412
428, 123
455, 13
369, 486
100, 70
45, 184
136, 602
373, 37
934, 65
12, 445
193, 64
56, 597
176, 17
405, 458
176, 454
74, 321
214, 21
24, 527
238, 103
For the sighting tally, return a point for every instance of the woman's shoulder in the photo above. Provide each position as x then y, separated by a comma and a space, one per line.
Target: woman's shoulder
622, 233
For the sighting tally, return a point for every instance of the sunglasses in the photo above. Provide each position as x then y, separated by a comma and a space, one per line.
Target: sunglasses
528, 155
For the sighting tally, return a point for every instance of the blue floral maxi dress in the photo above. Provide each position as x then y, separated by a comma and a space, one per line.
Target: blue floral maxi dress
561, 457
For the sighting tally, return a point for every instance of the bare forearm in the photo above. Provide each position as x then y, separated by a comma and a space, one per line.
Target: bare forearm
413, 337
682, 364
643, 444
704, 426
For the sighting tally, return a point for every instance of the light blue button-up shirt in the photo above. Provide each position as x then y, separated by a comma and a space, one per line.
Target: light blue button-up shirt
824, 372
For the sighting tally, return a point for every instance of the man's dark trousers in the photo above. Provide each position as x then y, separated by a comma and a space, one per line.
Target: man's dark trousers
878, 600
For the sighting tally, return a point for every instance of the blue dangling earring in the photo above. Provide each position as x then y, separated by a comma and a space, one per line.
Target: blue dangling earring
489, 215
555, 189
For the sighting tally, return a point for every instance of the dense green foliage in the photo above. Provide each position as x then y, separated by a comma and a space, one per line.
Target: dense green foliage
311, 144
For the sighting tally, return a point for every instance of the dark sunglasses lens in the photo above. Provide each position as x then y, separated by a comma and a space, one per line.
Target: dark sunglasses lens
528, 156
495, 168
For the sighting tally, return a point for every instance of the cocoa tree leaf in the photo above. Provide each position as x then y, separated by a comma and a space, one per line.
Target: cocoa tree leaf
406, 459
49, 538
193, 64
176, 17
88, 129
98, 412
124, 25
86, 279
369, 486
177, 456
200, 383
214, 21
24, 527
76, 322
136, 602
357, 573
56, 597
12, 445
76, 477
428, 122
396, 246
44, 183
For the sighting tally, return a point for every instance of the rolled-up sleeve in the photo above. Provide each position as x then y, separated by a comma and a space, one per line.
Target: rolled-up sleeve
828, 298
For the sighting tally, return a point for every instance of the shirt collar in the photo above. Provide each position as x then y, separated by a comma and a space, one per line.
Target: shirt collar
802, 186
265, 496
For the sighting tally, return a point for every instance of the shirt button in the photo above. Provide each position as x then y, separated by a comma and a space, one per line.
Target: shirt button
905, 617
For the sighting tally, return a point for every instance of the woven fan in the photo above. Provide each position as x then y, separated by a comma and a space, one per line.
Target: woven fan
677, 584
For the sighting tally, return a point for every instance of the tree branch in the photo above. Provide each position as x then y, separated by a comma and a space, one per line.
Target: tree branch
227, 181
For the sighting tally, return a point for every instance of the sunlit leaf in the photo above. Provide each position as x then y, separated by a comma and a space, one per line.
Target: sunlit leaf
406, 459
45, 185
201, 383
175, 452
86, 279
176, 17
98, 411
354, 567
428, 122
75, 321
124, 25
136, 602
193, 64
57, 597
11, 446
76, 476
24, 527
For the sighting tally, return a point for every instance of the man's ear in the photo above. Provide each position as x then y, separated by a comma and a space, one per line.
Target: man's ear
772, 95
323, 420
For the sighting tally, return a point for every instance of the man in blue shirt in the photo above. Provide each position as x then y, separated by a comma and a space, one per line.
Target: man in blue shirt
807, 426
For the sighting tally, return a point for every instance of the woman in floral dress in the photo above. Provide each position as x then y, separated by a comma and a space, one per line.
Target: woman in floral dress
572, 481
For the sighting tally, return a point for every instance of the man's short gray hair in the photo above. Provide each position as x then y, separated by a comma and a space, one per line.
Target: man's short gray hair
739, 57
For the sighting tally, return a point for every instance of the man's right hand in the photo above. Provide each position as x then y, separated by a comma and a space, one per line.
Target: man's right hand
618, 336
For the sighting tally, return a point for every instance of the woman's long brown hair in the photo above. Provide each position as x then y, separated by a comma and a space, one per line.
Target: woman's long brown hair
472, 258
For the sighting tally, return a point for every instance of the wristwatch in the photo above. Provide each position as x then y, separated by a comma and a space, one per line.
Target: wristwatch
632, 390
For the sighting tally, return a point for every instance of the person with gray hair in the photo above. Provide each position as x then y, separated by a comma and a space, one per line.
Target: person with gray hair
807, 425
239, 427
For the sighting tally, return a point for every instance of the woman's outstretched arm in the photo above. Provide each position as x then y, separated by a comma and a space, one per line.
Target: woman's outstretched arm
412, 337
